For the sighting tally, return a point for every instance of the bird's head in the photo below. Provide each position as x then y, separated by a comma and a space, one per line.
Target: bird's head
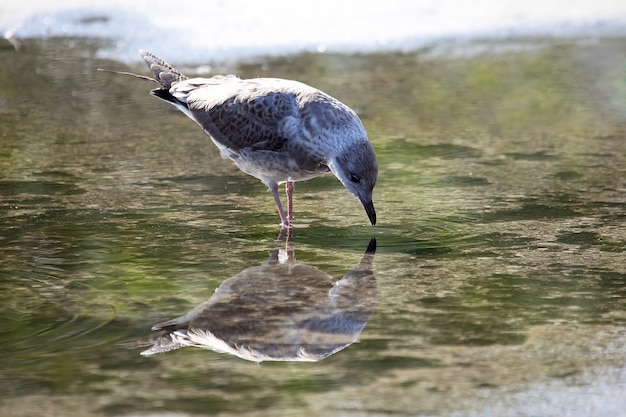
357, 169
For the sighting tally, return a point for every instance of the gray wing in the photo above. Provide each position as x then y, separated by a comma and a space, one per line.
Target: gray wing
242, 113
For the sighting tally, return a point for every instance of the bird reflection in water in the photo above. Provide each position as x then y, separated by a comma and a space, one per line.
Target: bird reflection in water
280, 311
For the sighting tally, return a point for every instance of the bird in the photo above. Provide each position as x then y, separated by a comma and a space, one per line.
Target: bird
277, 130
282, 310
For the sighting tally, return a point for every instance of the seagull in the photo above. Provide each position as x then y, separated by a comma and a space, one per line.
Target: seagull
279, 131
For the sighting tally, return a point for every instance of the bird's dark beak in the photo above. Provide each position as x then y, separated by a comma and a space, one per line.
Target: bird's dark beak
369, 209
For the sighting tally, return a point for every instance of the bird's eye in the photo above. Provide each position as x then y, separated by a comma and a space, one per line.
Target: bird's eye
355, 178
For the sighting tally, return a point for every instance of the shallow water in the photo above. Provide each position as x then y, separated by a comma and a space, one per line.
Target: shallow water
499, 269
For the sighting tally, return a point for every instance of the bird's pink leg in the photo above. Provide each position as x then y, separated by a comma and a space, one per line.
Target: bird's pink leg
284, 221
289, 187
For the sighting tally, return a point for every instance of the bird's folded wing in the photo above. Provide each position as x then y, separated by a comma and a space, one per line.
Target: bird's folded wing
241, 113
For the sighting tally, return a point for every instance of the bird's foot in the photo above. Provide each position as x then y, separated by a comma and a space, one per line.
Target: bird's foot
288, 224
285, 231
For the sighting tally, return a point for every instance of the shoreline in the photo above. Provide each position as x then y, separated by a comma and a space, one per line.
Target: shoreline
209, 36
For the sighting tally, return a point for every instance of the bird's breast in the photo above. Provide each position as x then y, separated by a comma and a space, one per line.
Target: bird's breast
280, 166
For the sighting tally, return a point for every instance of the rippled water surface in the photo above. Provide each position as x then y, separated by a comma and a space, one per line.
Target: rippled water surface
495, 283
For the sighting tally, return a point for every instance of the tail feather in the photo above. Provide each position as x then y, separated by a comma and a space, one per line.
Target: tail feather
141, 77
164, 73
